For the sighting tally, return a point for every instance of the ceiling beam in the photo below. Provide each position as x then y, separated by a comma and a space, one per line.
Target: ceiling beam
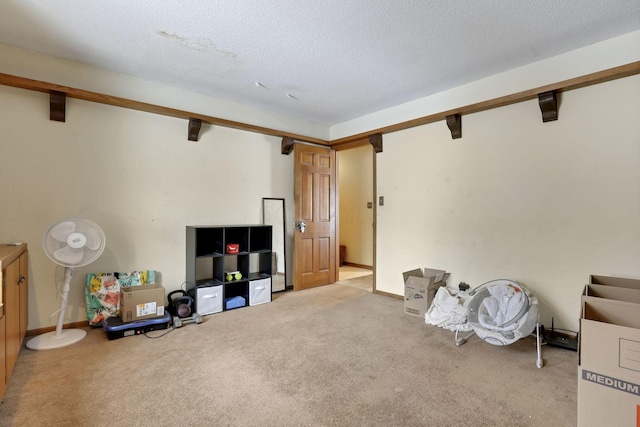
352, 144
526, 95
340, 143
100, 98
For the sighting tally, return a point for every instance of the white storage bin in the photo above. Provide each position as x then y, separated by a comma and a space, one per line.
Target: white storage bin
208, 299
260, 291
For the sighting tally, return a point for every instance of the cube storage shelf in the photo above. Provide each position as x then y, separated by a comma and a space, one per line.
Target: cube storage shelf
212, 273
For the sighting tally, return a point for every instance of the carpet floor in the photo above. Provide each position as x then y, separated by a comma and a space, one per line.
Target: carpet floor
330, 356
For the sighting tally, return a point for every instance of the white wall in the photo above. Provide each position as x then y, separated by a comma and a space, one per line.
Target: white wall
544, 204
355, 179
136, 175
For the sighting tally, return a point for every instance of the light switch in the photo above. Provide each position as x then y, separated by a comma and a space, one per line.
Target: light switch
381, 201
369, 205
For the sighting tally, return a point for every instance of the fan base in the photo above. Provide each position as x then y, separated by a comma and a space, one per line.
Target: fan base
51, 340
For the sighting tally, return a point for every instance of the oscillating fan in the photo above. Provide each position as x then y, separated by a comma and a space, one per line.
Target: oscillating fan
71, 243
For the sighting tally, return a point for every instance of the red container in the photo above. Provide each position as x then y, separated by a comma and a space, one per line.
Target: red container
233, 248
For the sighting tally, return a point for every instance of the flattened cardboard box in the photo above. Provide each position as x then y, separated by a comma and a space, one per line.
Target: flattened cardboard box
142, 302
420, 287
609, 367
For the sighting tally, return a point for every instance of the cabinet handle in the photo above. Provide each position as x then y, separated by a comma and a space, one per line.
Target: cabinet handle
210, 296
21, 280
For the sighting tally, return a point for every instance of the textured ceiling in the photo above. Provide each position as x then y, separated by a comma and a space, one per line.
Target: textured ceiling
327, 61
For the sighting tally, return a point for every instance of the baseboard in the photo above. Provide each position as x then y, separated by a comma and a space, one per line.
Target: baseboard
40, 331
353, 264
387, 294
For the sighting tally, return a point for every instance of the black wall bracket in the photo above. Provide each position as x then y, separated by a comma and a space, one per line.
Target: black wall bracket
194, 129
287, 145
454, 121
376, 141
548, 105
57, 106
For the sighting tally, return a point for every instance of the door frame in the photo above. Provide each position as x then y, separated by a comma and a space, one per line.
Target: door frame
374, 218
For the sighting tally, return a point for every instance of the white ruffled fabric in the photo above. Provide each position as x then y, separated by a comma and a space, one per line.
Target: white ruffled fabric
448, 311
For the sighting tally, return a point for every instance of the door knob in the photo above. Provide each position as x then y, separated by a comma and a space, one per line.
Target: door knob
300, 226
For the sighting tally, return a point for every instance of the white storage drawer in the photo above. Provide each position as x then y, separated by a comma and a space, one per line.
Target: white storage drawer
259, 291
208, 299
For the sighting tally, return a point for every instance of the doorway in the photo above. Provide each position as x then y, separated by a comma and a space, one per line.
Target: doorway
356, 213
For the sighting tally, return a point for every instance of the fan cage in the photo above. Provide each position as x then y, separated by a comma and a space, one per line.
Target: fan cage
50, 244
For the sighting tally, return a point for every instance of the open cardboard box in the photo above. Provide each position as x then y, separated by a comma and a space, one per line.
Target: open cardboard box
618, 282
420, 287
609, 366
612, 292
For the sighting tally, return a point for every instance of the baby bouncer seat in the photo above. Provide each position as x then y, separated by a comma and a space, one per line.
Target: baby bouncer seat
501, 312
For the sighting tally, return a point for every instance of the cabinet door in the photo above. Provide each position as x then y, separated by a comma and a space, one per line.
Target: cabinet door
3, 358
23, 285
12, 314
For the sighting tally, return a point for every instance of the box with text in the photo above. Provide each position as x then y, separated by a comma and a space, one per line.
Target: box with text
142, 302
609, 366
420, 286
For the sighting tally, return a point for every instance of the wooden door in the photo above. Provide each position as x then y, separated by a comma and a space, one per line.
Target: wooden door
315, 207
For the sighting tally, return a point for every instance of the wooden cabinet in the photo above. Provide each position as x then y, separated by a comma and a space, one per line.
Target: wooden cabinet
3, 358
232, 257
14, 264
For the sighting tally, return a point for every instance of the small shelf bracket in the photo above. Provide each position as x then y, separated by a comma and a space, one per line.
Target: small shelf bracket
376, 141
548, 105
287, 145
57, 106
454, 121
194, 129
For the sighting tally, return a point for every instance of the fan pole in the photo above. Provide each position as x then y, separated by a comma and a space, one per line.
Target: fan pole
59, 338
68, 272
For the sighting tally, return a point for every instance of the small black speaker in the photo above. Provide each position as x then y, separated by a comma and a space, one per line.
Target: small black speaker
180, 306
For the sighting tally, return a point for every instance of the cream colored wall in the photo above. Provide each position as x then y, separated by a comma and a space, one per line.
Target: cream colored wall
50, 69
607, 54
570, 185
136, 175
544, 204
355, 170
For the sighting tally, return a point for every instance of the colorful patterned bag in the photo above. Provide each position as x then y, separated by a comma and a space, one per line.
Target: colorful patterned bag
102, 293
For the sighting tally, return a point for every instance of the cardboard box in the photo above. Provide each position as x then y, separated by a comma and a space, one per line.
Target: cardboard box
420, 287
613, 292
142, 302
614, 281
609, 367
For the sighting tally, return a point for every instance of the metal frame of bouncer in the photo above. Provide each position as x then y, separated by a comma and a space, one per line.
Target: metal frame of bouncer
510, 330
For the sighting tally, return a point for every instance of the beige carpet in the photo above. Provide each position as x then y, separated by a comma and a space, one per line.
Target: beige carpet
349, 272
330, 356
364, 283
